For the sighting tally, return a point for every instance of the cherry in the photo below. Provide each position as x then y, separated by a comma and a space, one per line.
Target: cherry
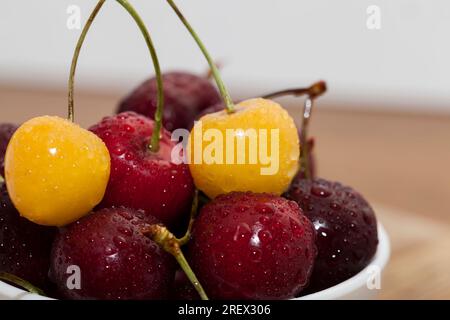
346, 229
56, 171
211, 109
116, 261
185, 96
24, 246
142, 174
313, 91
140, 178
6, 132
345, 223
252, 246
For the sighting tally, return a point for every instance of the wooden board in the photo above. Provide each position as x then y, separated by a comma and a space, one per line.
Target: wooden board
420, 258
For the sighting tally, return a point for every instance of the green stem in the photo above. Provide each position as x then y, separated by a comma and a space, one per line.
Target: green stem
187, 236
214, 70
21, 283
190, 274
171, 244
76, 54
156, 136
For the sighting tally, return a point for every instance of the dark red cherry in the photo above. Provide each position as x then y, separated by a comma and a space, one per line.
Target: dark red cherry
252, 246
116, 261
345, 225
185, 96
24, 246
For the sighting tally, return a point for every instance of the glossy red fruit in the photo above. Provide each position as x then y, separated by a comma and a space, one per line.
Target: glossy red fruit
141, 179
24, 246
115, 260
252, 246
185, 95
346, 229
6, 132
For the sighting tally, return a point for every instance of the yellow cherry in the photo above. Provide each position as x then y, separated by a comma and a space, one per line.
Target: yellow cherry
265, 156
255, 148
56, 172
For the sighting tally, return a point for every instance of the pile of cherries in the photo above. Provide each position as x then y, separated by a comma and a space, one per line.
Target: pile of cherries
247, 243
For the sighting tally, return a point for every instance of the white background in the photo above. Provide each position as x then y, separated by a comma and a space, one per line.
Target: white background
264, 44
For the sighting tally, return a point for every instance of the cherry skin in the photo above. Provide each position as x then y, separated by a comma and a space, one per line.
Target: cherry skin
141, 179
116, 261
346, 229
56, 172
252, 246
254, 115
311, 156
182, 289
6, 132
24, 246
185, 95
211, 109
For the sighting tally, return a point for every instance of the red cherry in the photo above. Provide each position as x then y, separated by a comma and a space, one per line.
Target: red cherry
185, 96
141, 179
116, 261
346, 229
252, 246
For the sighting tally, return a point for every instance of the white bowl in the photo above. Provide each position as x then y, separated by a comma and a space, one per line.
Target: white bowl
354, 288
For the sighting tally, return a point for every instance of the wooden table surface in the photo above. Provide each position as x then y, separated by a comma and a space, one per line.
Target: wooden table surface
399, 161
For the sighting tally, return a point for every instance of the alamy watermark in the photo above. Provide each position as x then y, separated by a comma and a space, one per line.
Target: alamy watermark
231, 147
373, 21
73, 281
373, 277
74, 19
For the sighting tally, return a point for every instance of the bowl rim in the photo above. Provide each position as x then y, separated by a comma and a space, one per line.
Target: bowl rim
359, 280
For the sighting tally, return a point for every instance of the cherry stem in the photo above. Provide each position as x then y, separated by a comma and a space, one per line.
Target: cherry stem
171, 244
76, 54
21, 283
187, 236
313, 91
304, 156
2, 180
209, 74
156, 135
214, 70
